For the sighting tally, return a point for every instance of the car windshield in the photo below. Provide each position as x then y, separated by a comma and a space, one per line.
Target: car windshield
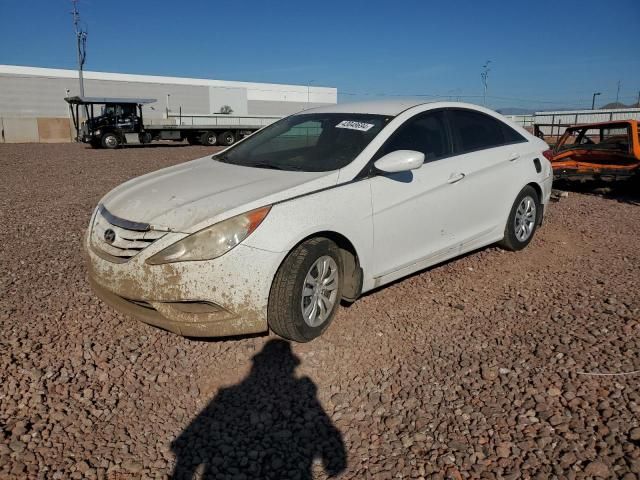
314, 142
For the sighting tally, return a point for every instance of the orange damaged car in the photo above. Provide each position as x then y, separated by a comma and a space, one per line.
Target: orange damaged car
606, 151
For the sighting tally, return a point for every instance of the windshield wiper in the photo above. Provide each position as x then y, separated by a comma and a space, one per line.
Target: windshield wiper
271, 166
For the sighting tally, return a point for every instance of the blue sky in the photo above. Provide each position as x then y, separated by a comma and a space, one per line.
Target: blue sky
544, 54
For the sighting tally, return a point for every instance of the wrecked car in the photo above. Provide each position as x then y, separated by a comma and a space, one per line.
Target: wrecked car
315, 209
603, 151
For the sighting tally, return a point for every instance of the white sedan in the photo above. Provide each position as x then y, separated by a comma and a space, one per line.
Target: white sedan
318, 208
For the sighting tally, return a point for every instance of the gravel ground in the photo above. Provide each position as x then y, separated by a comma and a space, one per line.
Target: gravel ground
480, 368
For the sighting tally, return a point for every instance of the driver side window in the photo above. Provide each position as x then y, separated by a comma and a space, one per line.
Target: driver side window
426, 133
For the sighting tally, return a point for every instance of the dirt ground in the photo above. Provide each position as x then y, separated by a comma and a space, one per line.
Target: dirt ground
490, 366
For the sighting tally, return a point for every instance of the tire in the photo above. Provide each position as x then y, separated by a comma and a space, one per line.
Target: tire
209, 138
145, 137
110, 140
287, 298
523, 220
193, 140
226, 138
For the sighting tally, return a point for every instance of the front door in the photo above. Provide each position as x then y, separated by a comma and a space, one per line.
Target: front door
413, 211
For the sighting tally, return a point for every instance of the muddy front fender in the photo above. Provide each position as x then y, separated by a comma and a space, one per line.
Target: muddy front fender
220, 297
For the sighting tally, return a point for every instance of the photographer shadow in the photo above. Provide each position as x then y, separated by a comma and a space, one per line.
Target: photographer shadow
271, 426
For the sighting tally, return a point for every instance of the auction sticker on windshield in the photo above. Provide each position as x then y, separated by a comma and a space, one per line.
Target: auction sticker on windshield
353, 125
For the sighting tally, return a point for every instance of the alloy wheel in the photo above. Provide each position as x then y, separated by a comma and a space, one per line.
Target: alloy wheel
319, 291
525, 219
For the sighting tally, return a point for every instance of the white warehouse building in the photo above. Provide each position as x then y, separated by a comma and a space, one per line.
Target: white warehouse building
32, 106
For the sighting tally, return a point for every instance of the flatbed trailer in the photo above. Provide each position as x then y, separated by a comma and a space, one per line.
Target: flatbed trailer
120, 123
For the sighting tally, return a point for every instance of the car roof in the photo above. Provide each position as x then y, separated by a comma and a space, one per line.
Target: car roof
391, 107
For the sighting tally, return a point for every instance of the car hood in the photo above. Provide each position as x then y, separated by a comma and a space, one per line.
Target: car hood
183, 197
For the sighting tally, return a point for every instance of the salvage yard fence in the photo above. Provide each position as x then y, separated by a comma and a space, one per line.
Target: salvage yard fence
551, 125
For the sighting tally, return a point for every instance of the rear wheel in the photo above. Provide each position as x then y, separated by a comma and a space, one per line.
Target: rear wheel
145, 137
226, 138
110, 140
209, 138
306, 291
523, 220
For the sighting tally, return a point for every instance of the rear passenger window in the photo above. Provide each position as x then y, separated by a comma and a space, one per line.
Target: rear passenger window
477, 131
510, 135
426, 133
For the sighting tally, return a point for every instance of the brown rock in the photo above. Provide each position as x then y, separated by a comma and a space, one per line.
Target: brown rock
597, 469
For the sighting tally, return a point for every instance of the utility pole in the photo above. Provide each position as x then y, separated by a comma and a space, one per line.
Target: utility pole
593, 100
81, 42
484, 75
618, 91
309, 92
638, 102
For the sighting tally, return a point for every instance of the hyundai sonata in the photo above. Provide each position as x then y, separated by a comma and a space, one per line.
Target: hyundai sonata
317, 208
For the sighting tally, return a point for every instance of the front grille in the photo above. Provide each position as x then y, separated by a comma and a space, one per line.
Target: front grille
120, 239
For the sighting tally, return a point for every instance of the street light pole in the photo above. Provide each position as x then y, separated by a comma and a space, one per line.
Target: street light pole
593, 100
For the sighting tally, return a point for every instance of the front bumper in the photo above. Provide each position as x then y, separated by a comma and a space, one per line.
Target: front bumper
221, 297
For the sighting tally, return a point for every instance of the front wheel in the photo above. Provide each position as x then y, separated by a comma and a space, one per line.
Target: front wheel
523, 220
306, 291
110, 140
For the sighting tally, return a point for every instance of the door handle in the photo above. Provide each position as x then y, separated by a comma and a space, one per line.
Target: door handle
513, 157
455, 177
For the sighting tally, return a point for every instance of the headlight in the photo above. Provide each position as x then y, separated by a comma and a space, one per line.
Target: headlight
213, 241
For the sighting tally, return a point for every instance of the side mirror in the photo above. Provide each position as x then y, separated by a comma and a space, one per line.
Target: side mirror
400, 161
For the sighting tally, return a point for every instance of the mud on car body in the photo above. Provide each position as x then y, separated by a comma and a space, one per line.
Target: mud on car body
277, 230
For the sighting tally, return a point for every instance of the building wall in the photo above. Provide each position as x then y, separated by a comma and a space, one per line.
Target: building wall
28, 94
265, 107
23, 96
234, 97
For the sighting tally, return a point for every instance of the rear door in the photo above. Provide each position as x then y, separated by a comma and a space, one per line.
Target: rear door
491, 158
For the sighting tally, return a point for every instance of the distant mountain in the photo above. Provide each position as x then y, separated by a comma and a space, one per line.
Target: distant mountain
619, 105
528, 111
